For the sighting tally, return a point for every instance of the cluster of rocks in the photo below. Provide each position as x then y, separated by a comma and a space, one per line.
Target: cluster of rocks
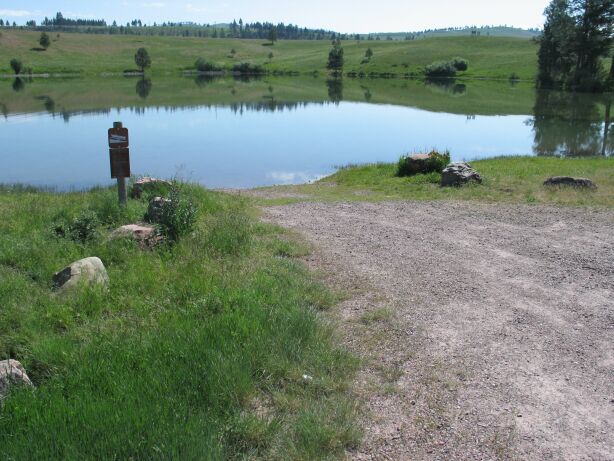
91, 272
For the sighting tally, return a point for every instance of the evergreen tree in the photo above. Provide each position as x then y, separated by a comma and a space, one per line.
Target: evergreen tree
577, 35
44, 40
142, 59
335, 59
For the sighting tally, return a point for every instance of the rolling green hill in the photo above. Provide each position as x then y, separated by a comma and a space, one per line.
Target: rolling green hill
489, 57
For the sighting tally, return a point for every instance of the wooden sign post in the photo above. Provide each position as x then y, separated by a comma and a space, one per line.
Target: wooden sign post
119, 153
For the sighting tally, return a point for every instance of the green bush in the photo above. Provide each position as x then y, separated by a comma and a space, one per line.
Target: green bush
247, 68
460, 64
82, 229
449, 68
440, 69
435, 163
203, 65
178, 216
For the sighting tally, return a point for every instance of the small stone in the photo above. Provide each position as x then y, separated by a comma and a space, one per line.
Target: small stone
147, 184
567, 181
12, 373
307, 378
89, 271
457, 174
154, 211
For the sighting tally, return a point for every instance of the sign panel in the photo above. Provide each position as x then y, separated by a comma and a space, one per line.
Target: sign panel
120, 163
118, 137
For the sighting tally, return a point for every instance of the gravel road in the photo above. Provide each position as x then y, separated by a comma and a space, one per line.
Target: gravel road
487, 330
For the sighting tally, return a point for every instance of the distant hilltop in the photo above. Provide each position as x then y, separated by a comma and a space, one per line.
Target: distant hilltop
259, 30
486, 31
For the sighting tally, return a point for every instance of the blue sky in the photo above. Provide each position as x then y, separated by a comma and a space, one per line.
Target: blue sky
340, 15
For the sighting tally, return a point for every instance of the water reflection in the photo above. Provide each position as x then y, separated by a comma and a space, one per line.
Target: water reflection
571, 124
241, 132
447, 85
143, 87
335, 89
18, 85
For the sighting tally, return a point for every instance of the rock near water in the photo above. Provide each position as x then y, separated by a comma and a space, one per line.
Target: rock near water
89, 271
567, 181
148, 184
457, 174
12, 373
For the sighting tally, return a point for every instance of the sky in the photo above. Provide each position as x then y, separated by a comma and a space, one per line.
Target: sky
348, 16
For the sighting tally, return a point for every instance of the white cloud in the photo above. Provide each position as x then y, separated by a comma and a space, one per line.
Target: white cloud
15, 13
153, 5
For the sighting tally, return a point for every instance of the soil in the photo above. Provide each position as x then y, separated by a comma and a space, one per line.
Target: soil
486, 330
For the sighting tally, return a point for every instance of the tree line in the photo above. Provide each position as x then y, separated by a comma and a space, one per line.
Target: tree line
577, 38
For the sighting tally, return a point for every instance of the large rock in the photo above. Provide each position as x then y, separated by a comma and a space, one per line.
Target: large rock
155, 209
134, 231
457, 174
145, 235
567, 181
88, 271
148, 184
12, 373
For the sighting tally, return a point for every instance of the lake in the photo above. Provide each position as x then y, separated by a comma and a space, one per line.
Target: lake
237, 133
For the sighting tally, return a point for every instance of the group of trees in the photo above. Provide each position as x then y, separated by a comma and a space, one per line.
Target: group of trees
578, 35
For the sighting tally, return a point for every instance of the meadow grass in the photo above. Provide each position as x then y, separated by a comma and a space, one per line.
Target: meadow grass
506, 179
197, 351
489, 57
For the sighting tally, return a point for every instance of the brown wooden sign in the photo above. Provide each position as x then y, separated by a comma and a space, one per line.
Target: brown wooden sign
120, 162
118, 137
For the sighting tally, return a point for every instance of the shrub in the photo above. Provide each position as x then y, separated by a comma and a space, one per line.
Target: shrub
202, 65
440, 69
81, 229
247, 68
178, 215
435, 163
460, 64
446, 68
16, 65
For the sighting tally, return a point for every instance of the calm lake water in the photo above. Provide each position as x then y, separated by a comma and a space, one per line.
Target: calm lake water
228, 133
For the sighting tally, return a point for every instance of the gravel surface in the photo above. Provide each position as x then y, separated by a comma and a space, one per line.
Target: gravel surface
487, 331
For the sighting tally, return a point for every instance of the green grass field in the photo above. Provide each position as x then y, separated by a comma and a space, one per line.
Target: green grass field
196, 352
506, 180
489, 57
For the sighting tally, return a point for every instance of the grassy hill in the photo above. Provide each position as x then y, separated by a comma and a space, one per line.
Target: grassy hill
489, 57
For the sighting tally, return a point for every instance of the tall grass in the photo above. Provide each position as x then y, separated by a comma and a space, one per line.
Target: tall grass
197, 351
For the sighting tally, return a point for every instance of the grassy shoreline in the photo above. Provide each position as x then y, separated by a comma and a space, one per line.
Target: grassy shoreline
196, 351
489, 57
506, 180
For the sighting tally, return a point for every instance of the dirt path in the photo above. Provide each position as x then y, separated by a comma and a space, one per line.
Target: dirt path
487, 330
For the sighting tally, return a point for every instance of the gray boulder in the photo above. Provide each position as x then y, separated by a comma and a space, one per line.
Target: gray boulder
457, 174
12, 373
148, 184
155, 209
88, 271
567, 181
